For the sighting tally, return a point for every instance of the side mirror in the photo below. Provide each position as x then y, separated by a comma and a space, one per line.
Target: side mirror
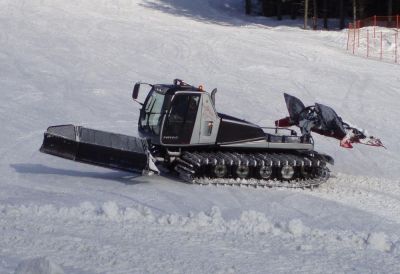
135, 92
213, 95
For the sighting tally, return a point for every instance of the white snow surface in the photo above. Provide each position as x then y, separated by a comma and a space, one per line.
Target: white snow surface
38, 266
76, 62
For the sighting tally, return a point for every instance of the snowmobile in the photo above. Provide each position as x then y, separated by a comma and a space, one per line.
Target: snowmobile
181, 131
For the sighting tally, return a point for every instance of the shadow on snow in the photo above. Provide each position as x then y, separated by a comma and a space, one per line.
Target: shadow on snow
120, 176
228, 12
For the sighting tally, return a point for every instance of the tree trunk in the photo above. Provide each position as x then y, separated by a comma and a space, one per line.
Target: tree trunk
248, 6
266, 10
293, 11
305, 13
390, 8
279, 9
341, 10
315, 16
325, 14
354, 11
361, 9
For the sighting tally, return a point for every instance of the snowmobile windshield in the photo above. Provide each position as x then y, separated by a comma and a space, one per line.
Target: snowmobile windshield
152, 113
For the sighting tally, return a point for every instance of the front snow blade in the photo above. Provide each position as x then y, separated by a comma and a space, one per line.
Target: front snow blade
97, 147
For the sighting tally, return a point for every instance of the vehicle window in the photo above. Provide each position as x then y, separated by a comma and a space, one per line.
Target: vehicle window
151, 119
181, 119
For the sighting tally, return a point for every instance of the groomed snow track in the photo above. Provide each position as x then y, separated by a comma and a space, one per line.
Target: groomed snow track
282, 169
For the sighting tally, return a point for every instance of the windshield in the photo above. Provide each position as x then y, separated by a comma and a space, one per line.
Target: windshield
152, 113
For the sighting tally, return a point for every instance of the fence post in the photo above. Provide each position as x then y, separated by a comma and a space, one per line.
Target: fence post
395, 49
358, 33
354, 38
374, 24
367, 43
348, 36
381, 45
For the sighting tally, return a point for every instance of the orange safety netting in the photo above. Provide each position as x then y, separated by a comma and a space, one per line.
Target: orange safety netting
375, 37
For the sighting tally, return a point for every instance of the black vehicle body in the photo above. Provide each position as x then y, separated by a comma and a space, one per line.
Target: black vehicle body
183, 116
180, 128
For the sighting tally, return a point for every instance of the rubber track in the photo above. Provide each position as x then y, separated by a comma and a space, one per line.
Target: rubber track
190, 162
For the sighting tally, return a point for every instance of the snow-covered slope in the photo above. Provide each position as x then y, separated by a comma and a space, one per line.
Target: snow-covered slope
76, 61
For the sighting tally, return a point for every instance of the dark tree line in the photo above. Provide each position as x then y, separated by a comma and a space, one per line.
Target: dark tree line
345, 10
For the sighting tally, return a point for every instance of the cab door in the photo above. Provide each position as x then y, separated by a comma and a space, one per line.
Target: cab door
180, 121
209, 122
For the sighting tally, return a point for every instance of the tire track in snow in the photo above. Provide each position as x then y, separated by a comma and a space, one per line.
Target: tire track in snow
374, 195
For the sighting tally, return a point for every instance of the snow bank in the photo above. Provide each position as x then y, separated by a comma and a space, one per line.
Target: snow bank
380, 241
38, 266
250, 223
297, 228
111, 210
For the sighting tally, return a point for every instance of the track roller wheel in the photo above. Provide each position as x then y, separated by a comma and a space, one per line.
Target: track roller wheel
287, 172
322, 173
265, 172
242, 171
220, 171
306, 172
